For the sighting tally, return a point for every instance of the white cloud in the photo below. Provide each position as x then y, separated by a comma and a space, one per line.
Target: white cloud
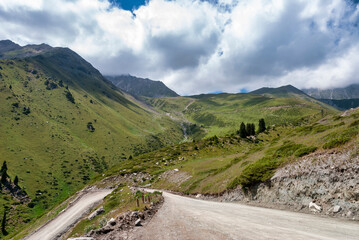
197, 46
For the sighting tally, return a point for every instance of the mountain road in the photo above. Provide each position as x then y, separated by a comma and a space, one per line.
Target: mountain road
60, 224
187, 218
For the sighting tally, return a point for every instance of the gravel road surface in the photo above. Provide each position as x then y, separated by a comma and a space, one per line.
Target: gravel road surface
64, 220
187, 218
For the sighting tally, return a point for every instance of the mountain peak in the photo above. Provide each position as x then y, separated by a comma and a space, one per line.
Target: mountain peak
8, 45
287, 89
11, 50
142, 87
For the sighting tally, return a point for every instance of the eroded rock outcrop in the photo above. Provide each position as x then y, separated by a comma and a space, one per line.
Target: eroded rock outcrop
326, 182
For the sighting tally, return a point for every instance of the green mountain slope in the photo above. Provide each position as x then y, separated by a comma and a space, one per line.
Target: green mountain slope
62, 123
219, 114
142, 87
219, 164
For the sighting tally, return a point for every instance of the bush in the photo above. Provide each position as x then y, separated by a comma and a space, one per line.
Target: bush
256, 172
70, 97
26, 110
89, 228
102, 222
304, 151
287, 149
355, 123
90, 127
336, 142
157, 193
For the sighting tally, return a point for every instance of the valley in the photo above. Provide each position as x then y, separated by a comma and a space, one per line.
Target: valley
179, 119
64, 127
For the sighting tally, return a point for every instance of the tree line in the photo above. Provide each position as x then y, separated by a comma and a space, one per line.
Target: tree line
249, 129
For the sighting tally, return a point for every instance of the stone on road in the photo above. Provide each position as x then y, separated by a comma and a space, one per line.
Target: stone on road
186, 218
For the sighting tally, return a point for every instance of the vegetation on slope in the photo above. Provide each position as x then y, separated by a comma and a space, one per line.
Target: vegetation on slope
221, 114
218, 164
62, 123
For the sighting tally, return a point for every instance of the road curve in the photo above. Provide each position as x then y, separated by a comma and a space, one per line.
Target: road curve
186, 218
64, 220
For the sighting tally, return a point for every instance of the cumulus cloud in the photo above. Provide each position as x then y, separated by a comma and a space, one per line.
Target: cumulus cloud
199, 46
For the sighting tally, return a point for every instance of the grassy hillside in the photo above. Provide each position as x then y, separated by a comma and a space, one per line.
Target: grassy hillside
62, 123
215, 165
222, 113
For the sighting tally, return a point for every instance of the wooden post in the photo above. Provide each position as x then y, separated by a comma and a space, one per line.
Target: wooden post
137, 202
143, 198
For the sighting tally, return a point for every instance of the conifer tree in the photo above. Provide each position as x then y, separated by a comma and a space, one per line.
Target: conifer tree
248, 129
3, 172
261, 125
251, 129
242, 131
16, 181
3, 167
3, 223
3, 177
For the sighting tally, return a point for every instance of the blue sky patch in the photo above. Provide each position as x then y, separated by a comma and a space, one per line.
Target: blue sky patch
129, 5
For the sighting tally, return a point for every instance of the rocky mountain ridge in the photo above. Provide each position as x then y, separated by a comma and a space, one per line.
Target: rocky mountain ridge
142, 87
349, 92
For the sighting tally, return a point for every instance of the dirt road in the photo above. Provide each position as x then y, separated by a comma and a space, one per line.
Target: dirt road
64, 220
186, 218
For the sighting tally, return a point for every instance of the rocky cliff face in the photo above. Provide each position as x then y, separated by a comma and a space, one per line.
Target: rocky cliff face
323, 183
349, 92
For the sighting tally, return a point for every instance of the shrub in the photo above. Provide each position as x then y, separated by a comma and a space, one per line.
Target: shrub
102, 222
88, 228
304, 151
336, 142
256, 172
26, 110
355, 123
70, 97
287, 149
90, 127
16, 105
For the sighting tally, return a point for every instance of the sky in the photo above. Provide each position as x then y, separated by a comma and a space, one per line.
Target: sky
200, 46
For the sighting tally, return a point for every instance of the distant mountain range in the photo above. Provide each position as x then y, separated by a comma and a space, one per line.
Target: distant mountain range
340, 98
349, 92
141, 87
